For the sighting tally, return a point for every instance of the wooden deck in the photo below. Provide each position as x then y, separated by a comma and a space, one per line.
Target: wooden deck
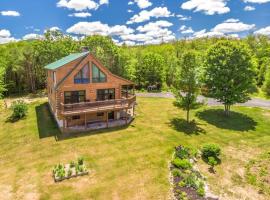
98, 106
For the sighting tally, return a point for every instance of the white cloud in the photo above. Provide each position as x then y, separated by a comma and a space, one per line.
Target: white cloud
249, 8
130, 3
232, 20
101, 2
32, 36
80, 14
203, 33
7, 40
4, 33
189, 30
209, 7
146, 15
184, 18
97, 28
10, 13
130, 11
143, 3
256, 1
232, 26
151, 33
78, 5
153, 26
263, 31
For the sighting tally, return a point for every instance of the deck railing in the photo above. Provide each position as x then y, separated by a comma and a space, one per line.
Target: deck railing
98, 105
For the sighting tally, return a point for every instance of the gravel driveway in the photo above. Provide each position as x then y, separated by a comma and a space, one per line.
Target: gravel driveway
254, 102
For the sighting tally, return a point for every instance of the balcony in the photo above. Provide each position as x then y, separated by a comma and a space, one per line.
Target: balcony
98, 106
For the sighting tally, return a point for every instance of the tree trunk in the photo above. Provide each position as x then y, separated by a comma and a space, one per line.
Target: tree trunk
188, 115
227, 109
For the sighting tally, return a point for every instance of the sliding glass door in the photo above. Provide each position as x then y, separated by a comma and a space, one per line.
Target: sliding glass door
105, 94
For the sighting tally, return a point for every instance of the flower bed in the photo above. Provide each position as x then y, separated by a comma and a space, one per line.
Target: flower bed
71, 170
188, 183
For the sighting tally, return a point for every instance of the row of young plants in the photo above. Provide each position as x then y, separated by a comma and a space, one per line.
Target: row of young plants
73, 169
188, 183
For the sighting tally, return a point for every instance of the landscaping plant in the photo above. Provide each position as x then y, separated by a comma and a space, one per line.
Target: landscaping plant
19, 110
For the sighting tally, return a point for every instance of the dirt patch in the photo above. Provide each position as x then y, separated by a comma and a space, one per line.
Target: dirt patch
230, 175
6, 192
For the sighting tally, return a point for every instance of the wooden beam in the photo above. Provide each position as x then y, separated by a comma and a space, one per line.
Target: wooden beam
107, 120
85, 123
126, 116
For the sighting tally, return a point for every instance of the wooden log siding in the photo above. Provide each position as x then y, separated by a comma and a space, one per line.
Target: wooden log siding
97, 106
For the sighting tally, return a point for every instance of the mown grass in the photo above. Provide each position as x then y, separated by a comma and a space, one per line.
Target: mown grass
129, 162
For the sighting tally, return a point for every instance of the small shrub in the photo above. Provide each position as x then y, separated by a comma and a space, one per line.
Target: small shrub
80, 161
59, 171
176, 173
69, 172
72, 164
19, 110
182, 184
182, 163
212, 161
201, 191
210, 150
182, 153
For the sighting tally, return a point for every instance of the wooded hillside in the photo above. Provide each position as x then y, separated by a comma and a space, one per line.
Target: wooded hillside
22, 63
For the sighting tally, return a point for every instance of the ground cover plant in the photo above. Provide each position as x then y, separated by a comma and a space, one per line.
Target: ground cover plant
131, 162
73, 169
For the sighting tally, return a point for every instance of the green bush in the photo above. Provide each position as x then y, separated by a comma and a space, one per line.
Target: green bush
212, 161
182, 153
201, 191
80, 161
72, 164
210, 150
19, 110
59, 171
69, 172
182, 163
176, 173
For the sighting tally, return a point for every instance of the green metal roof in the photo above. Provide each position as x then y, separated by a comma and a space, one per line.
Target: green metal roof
65, 60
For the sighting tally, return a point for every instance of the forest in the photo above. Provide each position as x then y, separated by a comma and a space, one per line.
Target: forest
22, 63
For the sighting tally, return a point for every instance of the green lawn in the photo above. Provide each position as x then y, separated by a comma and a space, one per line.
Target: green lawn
132, 162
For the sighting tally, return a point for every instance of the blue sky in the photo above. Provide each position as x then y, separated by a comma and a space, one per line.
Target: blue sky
134, 21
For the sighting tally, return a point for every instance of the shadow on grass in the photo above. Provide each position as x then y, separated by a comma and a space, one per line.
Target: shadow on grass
12, 119
191, 128
236, 121
71, 135
47, 126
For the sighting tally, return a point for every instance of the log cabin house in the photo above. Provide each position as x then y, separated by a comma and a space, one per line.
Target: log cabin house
85, 95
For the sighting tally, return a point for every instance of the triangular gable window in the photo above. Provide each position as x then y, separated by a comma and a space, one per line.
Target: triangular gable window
83, 76
97, 75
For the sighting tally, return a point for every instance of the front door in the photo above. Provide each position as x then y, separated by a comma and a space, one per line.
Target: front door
111, 115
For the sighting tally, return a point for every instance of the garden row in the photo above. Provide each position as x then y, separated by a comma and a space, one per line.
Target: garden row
73, 169
188, 183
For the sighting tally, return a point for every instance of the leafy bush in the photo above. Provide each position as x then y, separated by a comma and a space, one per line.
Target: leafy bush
80, 161
176, 173
72, 164
201, 191
59, 171
182, 153
19, 109
210, 150
182, 163
212, 161
69, 172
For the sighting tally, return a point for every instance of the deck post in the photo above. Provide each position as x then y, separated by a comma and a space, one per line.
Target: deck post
107, 120
85, 124
126, 116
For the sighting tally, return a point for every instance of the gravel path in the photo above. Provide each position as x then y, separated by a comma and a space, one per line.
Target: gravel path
254, 102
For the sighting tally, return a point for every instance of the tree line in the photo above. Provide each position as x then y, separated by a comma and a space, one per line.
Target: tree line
22, 63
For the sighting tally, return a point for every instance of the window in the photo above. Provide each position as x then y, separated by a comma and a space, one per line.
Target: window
76, 117
74, 97
97, 75
105, 94
83, 76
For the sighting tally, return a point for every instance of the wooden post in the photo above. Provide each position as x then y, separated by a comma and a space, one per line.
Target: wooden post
126, 116
107, 120
85, 123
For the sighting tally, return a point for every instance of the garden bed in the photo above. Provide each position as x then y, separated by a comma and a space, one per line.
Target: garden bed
71, 170
187, 182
